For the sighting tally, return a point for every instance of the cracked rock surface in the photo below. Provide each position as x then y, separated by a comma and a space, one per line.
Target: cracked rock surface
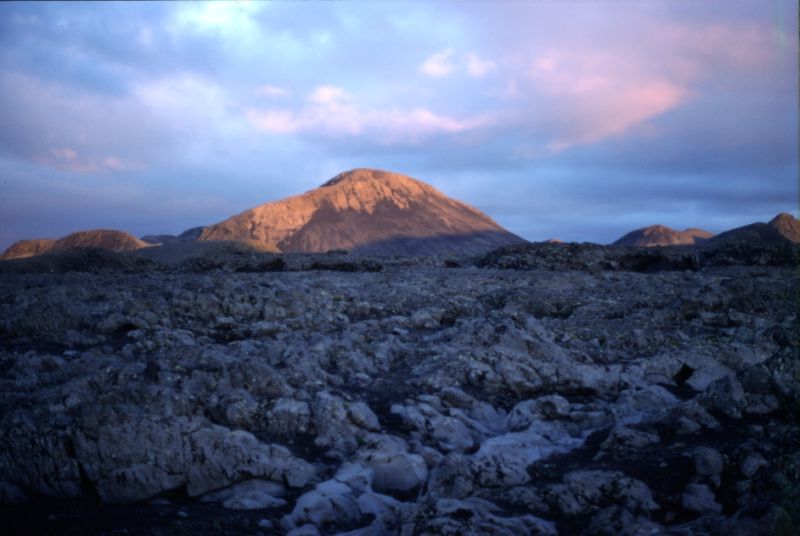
400, 396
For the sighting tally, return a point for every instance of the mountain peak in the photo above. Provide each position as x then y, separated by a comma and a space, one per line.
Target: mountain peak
365, 175
787, 225
367, 210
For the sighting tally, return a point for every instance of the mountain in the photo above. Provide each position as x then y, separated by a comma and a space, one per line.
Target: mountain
661, 235
367, 211
27, 248
101, 239
787, 225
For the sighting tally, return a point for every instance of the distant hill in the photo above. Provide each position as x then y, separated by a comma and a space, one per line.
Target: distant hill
782, 229
368, 211
117, 241
27, 248
187, 235
110, 240
661, 235
787, 225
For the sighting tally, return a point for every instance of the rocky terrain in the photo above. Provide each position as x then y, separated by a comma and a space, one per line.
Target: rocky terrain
368, 211
661, 235
537, 389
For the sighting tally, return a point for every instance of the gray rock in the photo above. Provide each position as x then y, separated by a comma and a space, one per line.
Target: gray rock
584, 492
289, 417
330, 502
361, 415
617, 521
249, 495
394, 469
11, 494
504, 460
752, 463
333, 426
135, 460
622, 439
699, 498
451, 434
707, 461
305, 530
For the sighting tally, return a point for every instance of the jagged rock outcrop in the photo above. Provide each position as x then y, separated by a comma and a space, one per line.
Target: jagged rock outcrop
661, 235
368, 211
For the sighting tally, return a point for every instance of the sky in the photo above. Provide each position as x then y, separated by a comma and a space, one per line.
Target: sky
577, 120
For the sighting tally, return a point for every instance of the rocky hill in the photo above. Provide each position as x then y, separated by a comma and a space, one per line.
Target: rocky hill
27, 248
782, 229
787, 225
367, 211
661, 235
101, 239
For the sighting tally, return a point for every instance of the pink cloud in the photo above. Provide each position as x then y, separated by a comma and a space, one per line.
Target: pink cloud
584, 95
332, 112
67, 159
593, 95
615, 111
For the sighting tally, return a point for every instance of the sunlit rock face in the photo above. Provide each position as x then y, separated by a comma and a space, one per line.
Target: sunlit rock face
787, 225
368, 211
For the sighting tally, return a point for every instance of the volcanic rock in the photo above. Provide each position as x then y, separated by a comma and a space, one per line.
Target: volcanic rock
546, 382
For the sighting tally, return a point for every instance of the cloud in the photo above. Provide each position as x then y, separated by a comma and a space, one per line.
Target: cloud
684, 105
439, 64
67, 159
599, 95
592, 94
478, 67
272, 91
329, 96
444, 63
332, 112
